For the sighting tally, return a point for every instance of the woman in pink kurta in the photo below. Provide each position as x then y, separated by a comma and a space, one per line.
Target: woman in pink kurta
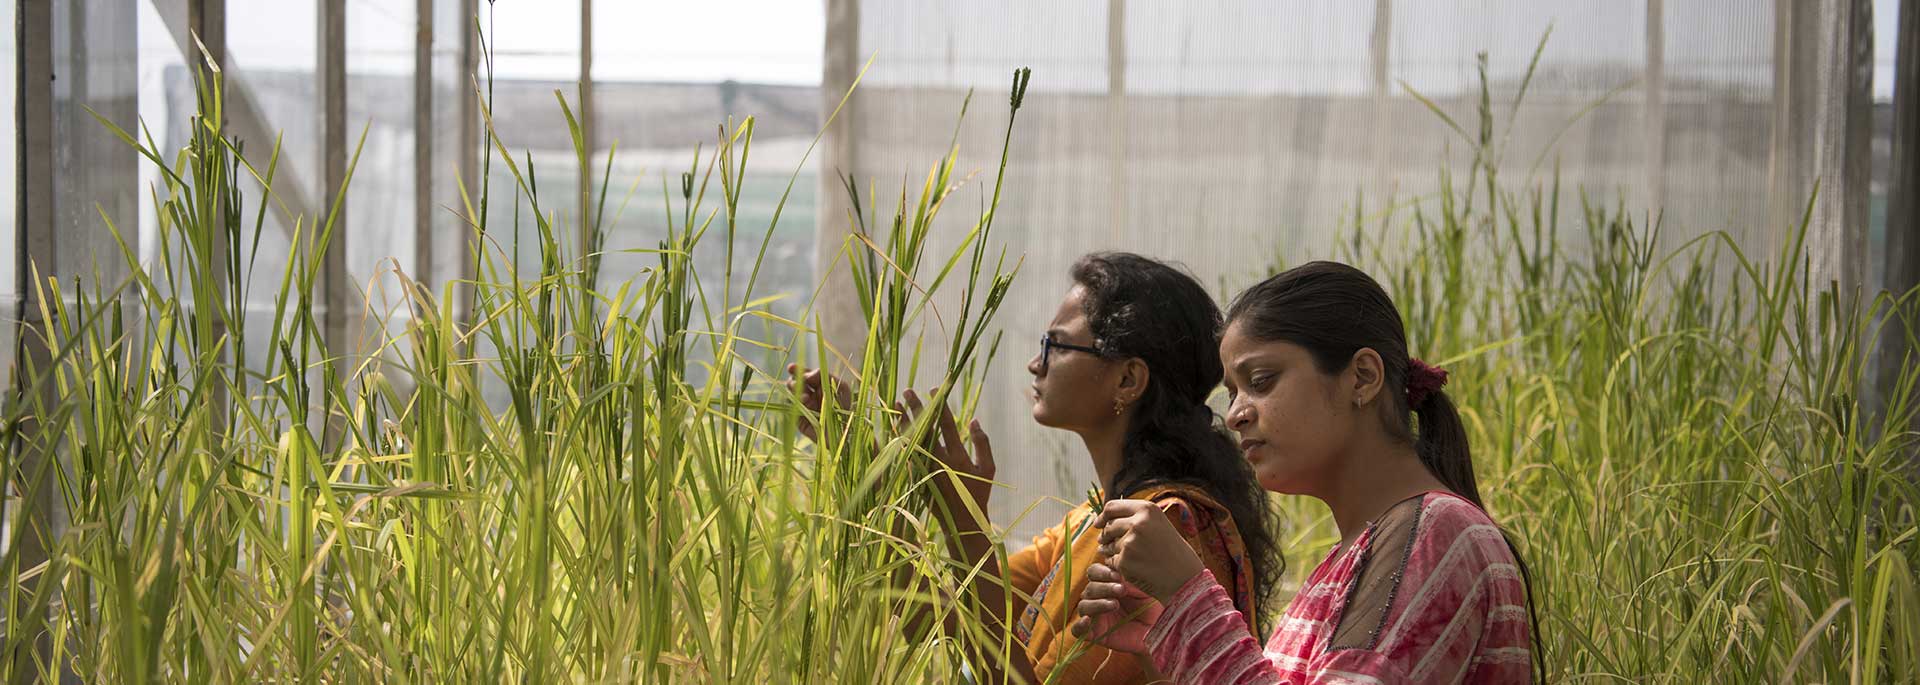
1423, 587
1430, 593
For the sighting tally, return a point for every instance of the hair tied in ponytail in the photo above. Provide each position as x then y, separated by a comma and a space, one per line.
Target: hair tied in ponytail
1423, 380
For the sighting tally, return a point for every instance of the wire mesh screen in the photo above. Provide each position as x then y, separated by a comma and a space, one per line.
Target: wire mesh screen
1234, 138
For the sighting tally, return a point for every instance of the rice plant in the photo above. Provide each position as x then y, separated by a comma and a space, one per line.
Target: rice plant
1676, 436
637, 510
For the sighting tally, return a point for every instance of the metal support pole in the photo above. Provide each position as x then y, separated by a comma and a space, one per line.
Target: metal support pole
469, 148
1654, 154
423, 189
587, 127
838, 313
1903, 213
332, 67
28, 474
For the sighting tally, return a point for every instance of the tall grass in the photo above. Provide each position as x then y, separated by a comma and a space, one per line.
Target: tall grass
638, 510
1674, 435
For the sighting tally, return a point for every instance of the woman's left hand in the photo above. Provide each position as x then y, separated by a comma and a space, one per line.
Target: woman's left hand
1140, 542
1113, 613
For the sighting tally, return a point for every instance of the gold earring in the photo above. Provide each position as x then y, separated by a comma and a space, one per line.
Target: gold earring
1119, 406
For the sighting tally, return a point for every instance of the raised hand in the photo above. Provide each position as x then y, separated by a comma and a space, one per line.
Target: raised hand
974, 468
807, 383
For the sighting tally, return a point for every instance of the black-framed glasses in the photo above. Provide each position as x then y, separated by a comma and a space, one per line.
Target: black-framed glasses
1047, 345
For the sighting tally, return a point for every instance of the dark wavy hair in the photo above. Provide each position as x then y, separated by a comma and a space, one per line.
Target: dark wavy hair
1139, 307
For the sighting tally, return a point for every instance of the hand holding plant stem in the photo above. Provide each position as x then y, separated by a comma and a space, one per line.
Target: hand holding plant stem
1107, 595
1101, 608
1142, 546
808, 384
973, 467
973, 470
964, 491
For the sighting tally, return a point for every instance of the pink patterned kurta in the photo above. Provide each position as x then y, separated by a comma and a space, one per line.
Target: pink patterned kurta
1443, 603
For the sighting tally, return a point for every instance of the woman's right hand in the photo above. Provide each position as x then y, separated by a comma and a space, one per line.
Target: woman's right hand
973, 469
1139, 542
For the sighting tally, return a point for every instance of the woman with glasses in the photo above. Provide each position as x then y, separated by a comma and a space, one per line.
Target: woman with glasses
1126, 363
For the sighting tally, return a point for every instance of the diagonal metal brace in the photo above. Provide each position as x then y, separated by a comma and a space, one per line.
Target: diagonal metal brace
244, 117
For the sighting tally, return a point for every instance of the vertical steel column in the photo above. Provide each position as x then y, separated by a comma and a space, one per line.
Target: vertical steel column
423, 189
332, 67
838, 312
587, 127
207, 24
1654, 117
1822, 93
1380, 68
1903, 209
469, 149
35, 521
207, 19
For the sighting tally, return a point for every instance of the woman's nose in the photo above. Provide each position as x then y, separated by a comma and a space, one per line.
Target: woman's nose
1033, 366
1239, 414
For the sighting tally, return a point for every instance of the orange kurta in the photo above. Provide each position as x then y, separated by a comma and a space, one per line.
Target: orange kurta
1055, 574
